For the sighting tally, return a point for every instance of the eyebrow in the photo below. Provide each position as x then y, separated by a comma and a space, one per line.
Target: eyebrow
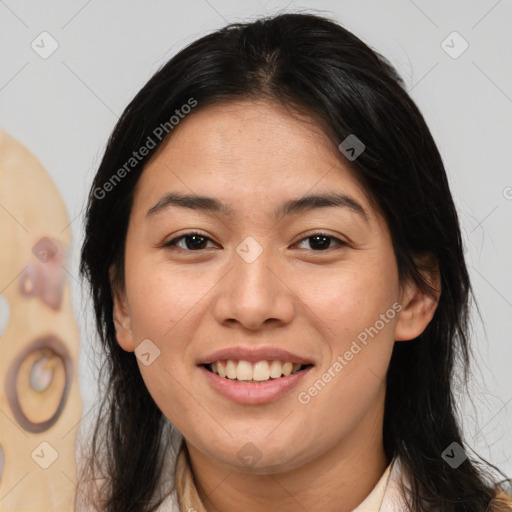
290, 207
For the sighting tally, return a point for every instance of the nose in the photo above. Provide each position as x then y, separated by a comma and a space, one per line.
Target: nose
255, 294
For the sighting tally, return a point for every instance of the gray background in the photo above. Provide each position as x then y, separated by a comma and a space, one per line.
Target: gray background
64, 107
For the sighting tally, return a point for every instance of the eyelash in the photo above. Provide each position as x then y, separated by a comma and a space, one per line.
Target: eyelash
172, 242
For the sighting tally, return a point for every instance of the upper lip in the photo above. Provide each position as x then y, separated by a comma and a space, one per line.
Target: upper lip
253, 355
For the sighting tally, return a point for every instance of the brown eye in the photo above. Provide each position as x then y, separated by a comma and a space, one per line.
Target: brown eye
321, 241
38, 383
189, 242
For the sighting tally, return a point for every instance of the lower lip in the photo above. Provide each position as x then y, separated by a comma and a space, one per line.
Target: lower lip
254, 392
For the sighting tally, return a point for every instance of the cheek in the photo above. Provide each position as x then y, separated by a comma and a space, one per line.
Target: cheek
347, 301
167, 381
354, 309
349, 387
161, 297
165, 305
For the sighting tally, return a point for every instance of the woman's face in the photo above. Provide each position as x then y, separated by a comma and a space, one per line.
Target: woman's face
257, 280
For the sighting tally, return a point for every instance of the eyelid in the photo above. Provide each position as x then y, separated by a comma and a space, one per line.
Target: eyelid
340, 242
172, 241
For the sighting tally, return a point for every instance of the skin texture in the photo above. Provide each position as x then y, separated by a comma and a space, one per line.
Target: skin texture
253, 155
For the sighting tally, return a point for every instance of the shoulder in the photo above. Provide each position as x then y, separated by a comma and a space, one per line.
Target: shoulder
393, 500
502, 502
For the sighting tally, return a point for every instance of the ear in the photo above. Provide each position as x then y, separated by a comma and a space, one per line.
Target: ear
122, 320
418, 307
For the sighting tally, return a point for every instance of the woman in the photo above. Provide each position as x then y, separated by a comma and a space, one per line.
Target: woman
279, 283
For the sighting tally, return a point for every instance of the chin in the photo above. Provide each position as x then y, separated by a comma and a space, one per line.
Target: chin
258, 456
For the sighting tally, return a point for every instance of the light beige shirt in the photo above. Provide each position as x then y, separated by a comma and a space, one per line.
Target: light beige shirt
385, 496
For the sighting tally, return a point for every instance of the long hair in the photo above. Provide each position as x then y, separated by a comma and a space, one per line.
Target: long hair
312, 66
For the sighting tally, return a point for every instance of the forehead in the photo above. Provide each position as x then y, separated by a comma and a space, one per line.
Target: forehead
250, 152
250, 130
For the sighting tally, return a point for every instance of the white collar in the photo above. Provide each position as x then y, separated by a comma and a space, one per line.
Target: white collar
385, 496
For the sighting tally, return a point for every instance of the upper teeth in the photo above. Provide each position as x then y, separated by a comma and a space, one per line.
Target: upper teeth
260, 370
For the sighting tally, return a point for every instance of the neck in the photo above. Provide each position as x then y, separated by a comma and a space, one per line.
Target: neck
339, 479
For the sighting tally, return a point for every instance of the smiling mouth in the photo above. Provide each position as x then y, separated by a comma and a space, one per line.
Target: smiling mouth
257, 372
